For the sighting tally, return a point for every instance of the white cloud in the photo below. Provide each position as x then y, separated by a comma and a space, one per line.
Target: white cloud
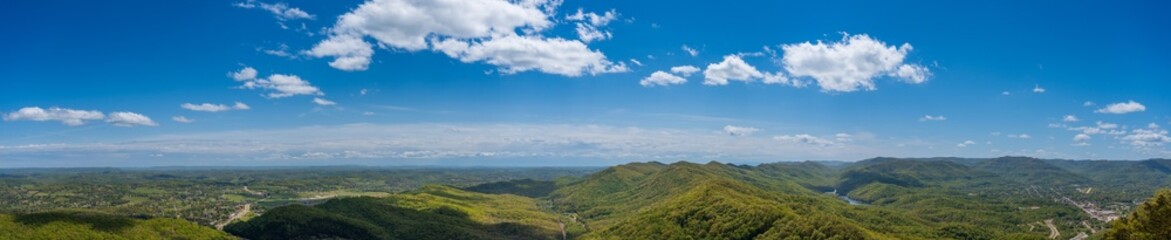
636, 62
965, 143
66, 116
843, 137
739, 131
240, 106
407, 24
1088, 104
1038, 89
1122, 108
660, 78
912, 73
129, 119
1152, 125
780, 78
1021, 136
804, 139
690, 51
932, 118
350, 53
1143, 138
732, 68
323, 102
1106, 125
468, 30
208, 107
1005, 93
280, 10
1100, 128
182, 119
851, 64
589, 24
1081, 137
1070, 118
280, 85
685, 70
524, 53
245, 74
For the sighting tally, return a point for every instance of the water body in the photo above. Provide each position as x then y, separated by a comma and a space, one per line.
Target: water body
849, 200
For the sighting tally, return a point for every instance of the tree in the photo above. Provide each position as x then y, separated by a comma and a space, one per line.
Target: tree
1151, 220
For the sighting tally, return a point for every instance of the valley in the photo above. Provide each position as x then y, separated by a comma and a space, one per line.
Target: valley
879, 198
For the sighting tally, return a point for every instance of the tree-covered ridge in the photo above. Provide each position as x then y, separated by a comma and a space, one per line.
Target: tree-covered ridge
523, 187
84, 224
431, 212
1150, 221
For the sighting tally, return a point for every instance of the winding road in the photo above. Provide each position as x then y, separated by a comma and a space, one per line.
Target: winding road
1053, 233
235, 216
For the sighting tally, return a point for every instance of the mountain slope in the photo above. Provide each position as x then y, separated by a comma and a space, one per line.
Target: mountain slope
432, 212
80, 224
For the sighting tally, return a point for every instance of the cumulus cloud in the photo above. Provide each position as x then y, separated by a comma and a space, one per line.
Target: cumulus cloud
1122, 108
350, 53
209, 107
851, 64
804, 139
129, 119
279, 85
1070, 118
280, 10
660, 78
965, 143
468, 30
739, 131
1088, 104
244, 74
323, 102
182, 119
690, 51
66, 116
524, 53
732, 68
589, 24
1100, 128
1143, 138
1038, 89
685, 70
932, 118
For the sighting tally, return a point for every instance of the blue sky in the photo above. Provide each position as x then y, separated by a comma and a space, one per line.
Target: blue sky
494, 82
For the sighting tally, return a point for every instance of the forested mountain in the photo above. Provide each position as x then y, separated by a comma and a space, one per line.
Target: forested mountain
431, 212
880, 198
83, 224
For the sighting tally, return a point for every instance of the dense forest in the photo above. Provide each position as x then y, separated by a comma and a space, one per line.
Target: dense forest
880, 198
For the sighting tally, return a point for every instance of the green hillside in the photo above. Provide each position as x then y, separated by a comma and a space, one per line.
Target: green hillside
81, 224
432, 212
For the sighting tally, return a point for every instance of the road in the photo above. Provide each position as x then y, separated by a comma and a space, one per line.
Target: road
235, 216
1053, 233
